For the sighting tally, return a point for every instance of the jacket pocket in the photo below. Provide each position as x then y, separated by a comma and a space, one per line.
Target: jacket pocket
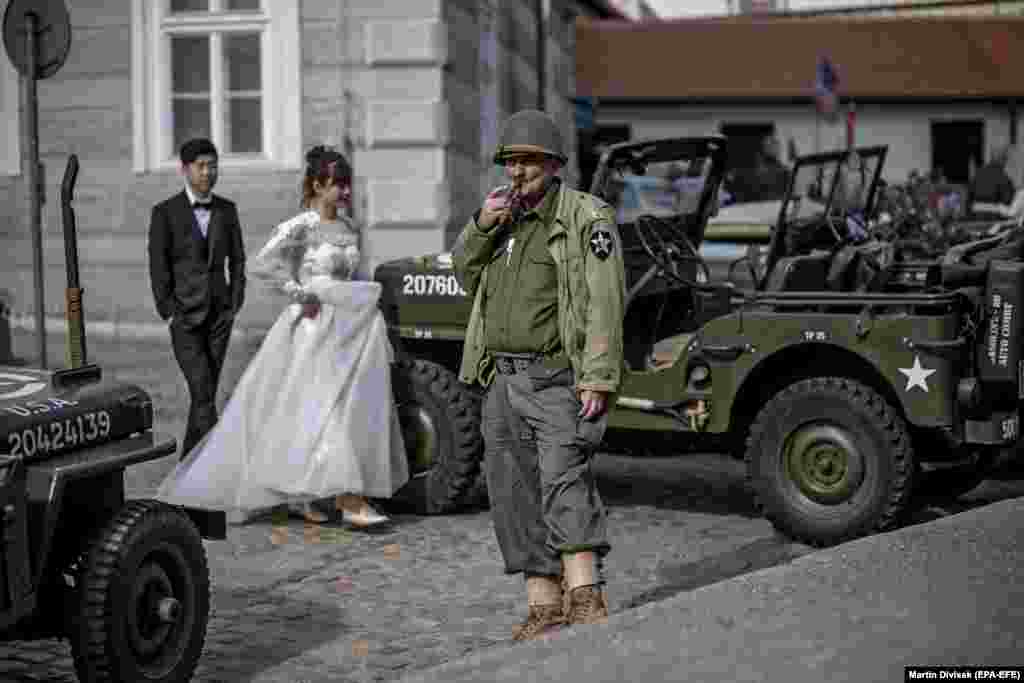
592, 432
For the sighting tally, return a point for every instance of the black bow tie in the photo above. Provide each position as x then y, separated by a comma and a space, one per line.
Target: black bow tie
201, 205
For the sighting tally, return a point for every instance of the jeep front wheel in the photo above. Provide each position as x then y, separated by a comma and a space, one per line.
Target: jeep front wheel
142, 599
829, 460
441, 429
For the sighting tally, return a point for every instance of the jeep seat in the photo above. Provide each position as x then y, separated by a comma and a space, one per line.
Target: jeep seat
806, 273
855, 269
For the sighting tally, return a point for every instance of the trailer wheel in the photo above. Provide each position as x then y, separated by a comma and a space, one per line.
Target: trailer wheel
829, 460
142, 599
441, 429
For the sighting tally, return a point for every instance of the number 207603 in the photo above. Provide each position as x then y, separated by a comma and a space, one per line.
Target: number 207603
427, 285
59, 434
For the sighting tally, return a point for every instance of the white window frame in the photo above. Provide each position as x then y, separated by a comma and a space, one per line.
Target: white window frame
281, 77
10, 119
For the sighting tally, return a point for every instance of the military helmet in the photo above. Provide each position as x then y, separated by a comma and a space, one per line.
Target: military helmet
530, 132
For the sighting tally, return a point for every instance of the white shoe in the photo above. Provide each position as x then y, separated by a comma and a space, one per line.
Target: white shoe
307, 512
365, 518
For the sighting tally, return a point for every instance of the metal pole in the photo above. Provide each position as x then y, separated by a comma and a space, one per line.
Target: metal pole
1013, 122
31, 137
542, 54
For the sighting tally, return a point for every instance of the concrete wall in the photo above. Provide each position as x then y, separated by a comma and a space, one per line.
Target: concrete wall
483, 86
85, 109
401, 155
464, 80
904, 128
371, 84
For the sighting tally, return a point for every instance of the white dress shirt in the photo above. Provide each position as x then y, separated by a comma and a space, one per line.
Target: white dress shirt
202, 214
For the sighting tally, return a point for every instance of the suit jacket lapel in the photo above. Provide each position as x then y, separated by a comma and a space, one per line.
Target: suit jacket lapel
214, 229
187, 217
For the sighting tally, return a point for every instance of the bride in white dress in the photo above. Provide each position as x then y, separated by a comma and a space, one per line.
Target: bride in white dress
313, 415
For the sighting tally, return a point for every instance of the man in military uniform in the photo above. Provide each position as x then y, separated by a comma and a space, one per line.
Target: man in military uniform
992, 184
544, 265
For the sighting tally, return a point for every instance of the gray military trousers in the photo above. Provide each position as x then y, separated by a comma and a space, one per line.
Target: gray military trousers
538, 455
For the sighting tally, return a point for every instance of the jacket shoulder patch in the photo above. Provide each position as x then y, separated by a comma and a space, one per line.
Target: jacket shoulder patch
601, 242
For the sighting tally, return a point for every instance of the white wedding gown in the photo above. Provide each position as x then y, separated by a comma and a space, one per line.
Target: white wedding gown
313, 415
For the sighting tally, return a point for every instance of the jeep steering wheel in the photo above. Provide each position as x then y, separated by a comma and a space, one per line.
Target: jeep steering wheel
669, 247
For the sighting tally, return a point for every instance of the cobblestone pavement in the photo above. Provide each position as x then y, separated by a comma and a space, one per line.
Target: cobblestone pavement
295, 602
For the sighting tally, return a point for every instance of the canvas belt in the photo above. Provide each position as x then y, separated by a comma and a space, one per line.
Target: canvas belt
513, 363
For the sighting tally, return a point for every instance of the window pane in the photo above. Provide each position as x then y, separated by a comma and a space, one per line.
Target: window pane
191, 120
190, 5
243, 5
190, 59
242, 60
245, 119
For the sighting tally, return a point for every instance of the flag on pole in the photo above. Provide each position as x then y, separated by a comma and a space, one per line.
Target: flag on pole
851, 126
826, 83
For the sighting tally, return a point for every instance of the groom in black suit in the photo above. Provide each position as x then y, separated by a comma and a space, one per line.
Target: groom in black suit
191, 236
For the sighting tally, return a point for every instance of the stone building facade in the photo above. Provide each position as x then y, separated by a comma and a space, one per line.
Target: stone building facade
412, 92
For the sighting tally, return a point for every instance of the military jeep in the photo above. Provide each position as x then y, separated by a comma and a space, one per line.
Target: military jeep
849, 382
125, 581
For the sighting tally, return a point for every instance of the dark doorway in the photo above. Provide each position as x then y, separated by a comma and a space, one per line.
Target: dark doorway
745, 140
592, 143
957, 146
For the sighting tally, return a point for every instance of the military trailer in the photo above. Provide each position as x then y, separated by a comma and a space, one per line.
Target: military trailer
848, 381
125, 581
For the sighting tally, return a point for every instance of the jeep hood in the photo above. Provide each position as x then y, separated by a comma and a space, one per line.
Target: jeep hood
421, 297
39, 417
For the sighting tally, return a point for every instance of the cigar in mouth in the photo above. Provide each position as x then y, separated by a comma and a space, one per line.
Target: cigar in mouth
515, 204
510, 191
514, 198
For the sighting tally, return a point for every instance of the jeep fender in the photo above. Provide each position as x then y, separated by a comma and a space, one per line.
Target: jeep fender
49, 481
918, 380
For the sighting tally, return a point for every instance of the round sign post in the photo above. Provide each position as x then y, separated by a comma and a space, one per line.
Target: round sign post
37, 37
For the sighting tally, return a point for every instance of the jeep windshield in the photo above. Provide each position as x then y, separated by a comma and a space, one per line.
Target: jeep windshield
672, 178
833, 184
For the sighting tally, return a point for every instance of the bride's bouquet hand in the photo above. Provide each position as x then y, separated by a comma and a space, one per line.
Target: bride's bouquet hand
310, 309
309, 301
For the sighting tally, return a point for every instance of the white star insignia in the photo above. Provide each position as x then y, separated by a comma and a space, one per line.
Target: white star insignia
917, 375
26, 386
601, 244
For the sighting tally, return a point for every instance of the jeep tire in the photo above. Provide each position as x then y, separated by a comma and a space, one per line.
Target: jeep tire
829, 460
142, 599
441, 428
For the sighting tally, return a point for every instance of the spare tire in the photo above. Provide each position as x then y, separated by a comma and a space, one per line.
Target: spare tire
441, 428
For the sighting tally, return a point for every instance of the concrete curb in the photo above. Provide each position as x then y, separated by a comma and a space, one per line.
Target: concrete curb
946, 592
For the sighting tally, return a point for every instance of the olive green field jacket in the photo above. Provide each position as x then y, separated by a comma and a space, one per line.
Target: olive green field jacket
591, 291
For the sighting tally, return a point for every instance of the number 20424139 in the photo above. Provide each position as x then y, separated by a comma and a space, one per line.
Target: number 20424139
59, 434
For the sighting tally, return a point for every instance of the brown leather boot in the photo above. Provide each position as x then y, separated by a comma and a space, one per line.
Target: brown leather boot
543, 619
587, 606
